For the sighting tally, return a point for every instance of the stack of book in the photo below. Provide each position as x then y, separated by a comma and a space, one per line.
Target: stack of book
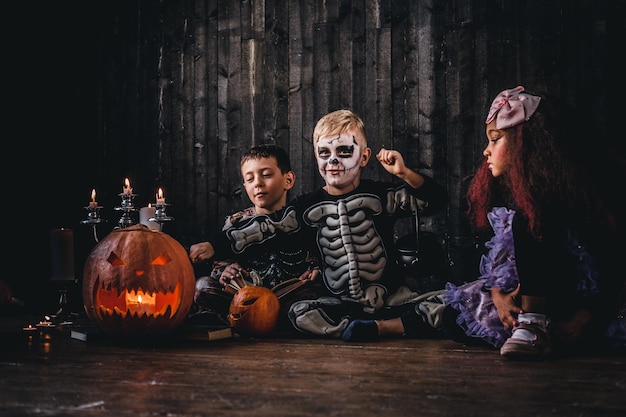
186, 332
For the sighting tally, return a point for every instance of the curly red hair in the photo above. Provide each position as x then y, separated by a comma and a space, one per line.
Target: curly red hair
550, 172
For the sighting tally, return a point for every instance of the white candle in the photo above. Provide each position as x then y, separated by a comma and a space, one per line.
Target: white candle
146, 213
140, 303
93, 202
62, 254
159, 197
127, 188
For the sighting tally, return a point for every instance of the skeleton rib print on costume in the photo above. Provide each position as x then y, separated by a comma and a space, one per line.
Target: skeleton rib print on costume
352, 248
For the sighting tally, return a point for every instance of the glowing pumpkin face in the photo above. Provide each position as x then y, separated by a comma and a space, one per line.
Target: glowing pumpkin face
254, 311
138, 282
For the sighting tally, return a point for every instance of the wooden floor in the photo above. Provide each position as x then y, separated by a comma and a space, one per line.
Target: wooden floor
47, 373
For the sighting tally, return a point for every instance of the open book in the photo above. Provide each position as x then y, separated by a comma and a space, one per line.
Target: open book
281, 290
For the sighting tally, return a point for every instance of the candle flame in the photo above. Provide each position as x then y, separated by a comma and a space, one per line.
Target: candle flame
93, 195
160, 193
140, 303
127, 189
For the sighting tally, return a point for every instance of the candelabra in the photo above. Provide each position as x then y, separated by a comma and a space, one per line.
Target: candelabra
93, 218
160, 216
127, 207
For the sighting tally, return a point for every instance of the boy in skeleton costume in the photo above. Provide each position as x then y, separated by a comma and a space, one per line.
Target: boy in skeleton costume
260, 245
353, 222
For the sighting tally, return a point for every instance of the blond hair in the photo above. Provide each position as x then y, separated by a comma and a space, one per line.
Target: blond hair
338, 122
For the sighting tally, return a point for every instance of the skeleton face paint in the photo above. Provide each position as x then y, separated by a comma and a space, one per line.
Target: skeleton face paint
338, 160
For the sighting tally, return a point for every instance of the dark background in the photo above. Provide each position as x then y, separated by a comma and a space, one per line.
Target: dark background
164, 93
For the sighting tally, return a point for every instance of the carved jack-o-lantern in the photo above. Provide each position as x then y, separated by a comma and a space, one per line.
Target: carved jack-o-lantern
138, 282
254, 310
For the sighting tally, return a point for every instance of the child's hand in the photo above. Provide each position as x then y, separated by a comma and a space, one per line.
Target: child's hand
506, 306
392, 161
234, 272
201, 252
310, 275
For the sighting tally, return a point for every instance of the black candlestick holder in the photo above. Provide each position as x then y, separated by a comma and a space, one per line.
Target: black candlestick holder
63, 313
127, 207
63, 275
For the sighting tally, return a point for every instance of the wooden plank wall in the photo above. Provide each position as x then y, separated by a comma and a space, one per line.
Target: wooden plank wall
179, 89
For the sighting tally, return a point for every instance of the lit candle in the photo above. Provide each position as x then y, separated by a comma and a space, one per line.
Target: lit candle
159, 197
62, 251
146, 213
45, 323
93, 202
140, 303
127, 189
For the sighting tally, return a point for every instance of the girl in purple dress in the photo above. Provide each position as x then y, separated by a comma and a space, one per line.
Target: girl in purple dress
551, 279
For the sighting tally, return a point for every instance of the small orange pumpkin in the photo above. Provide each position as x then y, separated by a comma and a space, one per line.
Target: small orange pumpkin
138, 282
254, 310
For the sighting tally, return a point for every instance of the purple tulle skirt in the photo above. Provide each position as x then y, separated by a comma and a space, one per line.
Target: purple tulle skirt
478, 316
